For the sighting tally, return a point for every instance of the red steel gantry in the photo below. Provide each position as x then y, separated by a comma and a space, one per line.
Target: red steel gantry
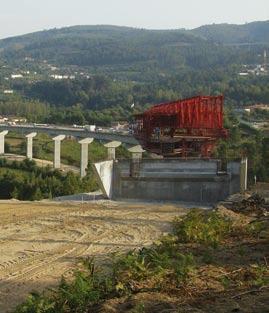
189, 127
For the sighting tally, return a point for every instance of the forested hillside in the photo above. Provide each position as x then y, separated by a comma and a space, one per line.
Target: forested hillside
108, 69
100, 45
256, 32
123, 46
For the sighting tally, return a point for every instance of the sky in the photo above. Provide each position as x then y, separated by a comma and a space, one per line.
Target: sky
24, 16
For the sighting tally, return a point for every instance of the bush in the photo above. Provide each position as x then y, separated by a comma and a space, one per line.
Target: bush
87, 288
156, 265
36, 303
200, 227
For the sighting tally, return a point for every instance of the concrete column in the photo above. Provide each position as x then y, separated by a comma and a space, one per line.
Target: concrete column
29, 137
244, 175
111, 149
84, 155
2, 141
57, 150
136, 152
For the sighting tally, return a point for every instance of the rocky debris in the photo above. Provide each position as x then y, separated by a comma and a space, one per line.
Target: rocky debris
254, 205
248, 204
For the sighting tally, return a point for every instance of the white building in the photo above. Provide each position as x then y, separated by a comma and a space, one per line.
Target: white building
14, 76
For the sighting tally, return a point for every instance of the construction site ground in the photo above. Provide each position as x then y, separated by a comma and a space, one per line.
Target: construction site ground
232, 277
40, 241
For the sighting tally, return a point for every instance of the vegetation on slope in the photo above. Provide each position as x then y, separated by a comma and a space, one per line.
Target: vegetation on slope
26, 181
245, 143
211, 257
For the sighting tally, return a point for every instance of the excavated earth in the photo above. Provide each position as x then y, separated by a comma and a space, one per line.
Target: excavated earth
41, 241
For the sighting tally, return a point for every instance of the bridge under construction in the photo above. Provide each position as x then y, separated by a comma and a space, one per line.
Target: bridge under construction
189, 127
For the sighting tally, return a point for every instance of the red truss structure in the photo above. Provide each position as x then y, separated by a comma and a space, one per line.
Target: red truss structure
189, 127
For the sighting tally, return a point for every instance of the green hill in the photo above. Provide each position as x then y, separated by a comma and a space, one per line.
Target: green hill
108, 46
98, 45
113, 67
252, 33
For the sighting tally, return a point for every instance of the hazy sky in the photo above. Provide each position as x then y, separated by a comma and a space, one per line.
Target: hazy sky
24, 16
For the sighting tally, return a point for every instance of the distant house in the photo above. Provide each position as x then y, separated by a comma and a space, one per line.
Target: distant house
14, 76
3, 119
120, 125
57, 76
8, 91
255, 107
13, 120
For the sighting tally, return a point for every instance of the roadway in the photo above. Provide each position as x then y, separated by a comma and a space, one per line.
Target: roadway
71, 131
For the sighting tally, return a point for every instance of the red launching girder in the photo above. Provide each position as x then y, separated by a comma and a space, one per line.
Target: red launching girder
184, 127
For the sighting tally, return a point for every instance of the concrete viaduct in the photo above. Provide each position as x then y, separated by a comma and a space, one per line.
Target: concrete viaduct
85, 137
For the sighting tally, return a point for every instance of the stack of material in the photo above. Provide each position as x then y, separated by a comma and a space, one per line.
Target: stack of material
251, 205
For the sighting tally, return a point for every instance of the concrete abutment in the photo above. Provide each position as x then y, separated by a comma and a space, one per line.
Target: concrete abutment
186, 180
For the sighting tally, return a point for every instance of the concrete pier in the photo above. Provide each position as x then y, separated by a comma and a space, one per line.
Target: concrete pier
111, 149
137, 153
57, 150
84, 158
2, 141
29, 152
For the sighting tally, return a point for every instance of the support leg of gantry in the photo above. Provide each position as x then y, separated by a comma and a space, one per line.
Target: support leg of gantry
2, 141
244, 175
29, 152
84, 155
57, 150
111, 149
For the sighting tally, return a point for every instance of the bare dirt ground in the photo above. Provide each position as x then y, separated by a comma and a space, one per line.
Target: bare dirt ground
39, 242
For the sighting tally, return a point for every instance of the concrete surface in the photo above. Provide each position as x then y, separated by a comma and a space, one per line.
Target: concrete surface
57, 150
104, 174
2, 141
84, 158
187, 180
29, 152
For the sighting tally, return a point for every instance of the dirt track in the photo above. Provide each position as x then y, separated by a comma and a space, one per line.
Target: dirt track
41, 241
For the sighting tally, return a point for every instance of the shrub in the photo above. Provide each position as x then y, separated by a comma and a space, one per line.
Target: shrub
155, 264
86, 289
36, 303
200, 227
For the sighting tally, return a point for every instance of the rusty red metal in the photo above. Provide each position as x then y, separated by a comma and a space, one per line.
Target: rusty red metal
189, 127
